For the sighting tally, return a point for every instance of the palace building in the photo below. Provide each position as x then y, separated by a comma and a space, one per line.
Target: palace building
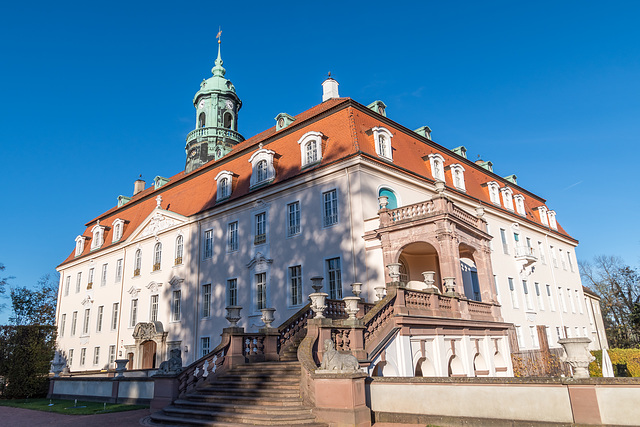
338, 192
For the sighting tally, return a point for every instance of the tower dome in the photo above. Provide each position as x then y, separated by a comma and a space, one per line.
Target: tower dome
217, 106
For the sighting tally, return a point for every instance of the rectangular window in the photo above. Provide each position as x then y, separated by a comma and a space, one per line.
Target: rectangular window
260, 228
552, 305
562, 302
490, 241
70, 357
78, 280
206, 300
114, 316
330, 208
334, 278
512, 291
90, 283
99, 320
261, 291
534, 336
573, 304
232, 237
154, 308
543, 259
562, 261
519, 337
134, 313
85, 324
83, 356
527, 295
74, 322
232, 292
584, 331
475, 285
577, 295
205, 342
208, 243
505, 245
67, 285
554, 258
96, 355
569, 261
119, 270
112, 354
558, 333
293, 215
495, 284
547, 331
63, 321
295, 284
175, 306
539, 296
103, 276
567, 331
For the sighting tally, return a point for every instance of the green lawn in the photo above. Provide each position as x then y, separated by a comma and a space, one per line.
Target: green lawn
66, 406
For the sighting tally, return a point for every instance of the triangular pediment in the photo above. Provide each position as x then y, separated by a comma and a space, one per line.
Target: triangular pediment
158, 221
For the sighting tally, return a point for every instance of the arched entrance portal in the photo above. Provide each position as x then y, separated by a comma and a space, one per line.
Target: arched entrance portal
148, 356
419, 257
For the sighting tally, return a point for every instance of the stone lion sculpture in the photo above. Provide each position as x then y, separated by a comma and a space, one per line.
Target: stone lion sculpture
333, 360
173, 365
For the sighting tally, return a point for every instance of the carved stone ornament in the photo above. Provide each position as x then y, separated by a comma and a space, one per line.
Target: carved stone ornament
259, 261
333, 360
87, 301
153, 286
145, 331
176, 281
134, 291
259, 203
157, 224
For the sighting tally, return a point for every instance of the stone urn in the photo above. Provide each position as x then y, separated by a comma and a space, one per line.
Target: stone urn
379, 292
383, 201
318, 304
351, 306
356, 289
449, 285
267, 316
316, 283
233, 315
57, 365
440, 185
577, 354
121, 366
394, 271
479, 211
430, 280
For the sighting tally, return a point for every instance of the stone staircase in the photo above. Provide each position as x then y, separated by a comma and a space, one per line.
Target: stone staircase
266, 394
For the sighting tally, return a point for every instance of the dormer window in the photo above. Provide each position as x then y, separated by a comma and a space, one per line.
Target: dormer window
457, 176
98, 236
262, 170
494, 192
436, 162
507, 198
542, 211
382, 138
80, 245
118, 229
224, 186
552, 220
519, 199
310, 148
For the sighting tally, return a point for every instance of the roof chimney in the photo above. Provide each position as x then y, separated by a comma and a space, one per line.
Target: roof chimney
138, 186
329, 89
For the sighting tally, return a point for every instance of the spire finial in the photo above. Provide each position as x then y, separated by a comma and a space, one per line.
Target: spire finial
218, 70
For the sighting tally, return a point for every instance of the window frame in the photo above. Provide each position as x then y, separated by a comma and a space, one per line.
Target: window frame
262, 177
157, 256
304, 143
232, 292
99, 317
232, 236
205, 311
330, 208
437, 173
260, 228
295, 288
154, 302
179, 252
137, 262
176, 305
133, 313
334, 284
207, 244
386, 149
224, 185
294, 228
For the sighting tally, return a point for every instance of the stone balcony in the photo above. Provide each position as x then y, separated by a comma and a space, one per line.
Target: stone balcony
214, 132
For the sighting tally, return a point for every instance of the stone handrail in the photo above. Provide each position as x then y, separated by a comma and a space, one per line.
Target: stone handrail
477, 307
463, 215
201, 368
446, 303
294, 328
418, 299
378, 317
253, 344
214, 131
426, 209
411, 211
335, 309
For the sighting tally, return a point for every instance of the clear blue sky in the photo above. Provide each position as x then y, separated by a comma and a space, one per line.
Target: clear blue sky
94, 94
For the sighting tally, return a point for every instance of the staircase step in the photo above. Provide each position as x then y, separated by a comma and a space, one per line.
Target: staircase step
244, 384
162, 418
244, 418
241, 407
232, 391
249, 400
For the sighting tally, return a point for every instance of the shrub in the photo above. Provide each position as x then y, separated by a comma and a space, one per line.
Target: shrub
622, 357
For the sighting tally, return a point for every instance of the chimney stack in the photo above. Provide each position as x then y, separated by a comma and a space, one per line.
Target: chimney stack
329, 89
138, 186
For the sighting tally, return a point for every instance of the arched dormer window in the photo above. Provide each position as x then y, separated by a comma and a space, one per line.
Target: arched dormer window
227, 120
382, 138
542, 211
552, 220
262, 169
507, 198
79, 245
224, 181
519, 199
392, 200
179, 249
118, 230
494, 192
137, 262
310, 148
157, 256
98, 236
202, 120
436, 161
457, 176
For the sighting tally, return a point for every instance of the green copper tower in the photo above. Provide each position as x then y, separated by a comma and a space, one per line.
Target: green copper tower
217, 107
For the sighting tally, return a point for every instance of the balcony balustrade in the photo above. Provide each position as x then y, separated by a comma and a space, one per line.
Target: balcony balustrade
214, 132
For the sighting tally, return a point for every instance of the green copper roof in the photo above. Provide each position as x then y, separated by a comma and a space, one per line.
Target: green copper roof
216, 83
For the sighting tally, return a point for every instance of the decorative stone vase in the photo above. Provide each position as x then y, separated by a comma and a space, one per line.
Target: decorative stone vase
379, 292
356, 289
479, 211
383, 201
267, 316
351, 306
440, 187
429, 280
318, 304
449, 284
233, 315
57, 367
316, 283
121, 366
394, 271
576, 354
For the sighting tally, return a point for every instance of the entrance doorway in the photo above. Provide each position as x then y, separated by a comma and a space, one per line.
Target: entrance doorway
148, 356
